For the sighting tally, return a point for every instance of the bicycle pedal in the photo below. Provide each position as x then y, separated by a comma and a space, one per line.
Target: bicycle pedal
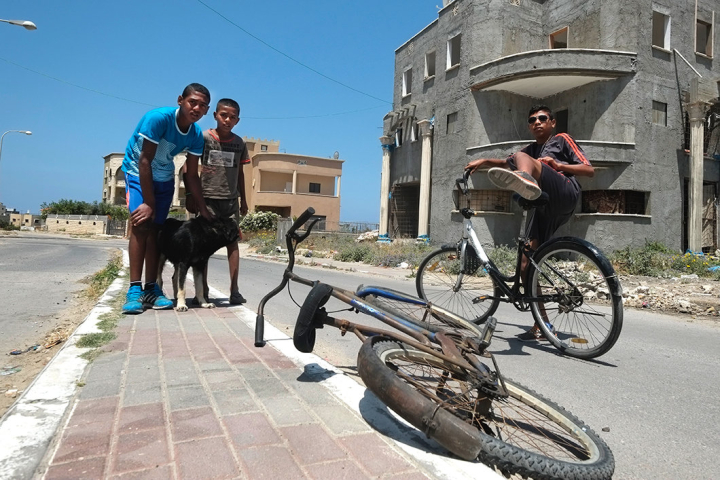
479, 299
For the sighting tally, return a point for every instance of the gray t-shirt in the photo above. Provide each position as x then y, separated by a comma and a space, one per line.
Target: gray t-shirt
220, 162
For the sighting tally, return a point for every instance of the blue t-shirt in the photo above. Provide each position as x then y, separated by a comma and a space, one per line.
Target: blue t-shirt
159, 126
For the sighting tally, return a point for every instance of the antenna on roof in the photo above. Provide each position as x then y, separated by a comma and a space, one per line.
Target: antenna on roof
336, 155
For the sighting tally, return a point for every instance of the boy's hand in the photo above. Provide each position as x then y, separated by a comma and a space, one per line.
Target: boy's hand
243, 208
191, 205
474, 165
551, 162
142, 214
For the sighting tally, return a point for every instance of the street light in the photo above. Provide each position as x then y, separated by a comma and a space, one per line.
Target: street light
26, 132
26, 24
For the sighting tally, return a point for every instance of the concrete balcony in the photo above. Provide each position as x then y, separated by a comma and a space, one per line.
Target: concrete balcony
600, 153
543, 73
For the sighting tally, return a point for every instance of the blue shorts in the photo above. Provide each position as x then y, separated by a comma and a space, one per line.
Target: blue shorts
164, 192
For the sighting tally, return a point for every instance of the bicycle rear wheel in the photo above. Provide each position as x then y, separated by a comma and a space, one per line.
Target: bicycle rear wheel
522, 433
586, 309
441, 281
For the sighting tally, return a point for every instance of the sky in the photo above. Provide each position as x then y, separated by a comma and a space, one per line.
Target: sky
317, 76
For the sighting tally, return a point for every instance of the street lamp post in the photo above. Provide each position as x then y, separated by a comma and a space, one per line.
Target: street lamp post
26, 132
26, 24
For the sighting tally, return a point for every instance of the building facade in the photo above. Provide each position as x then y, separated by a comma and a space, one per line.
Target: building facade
634, 82
278, 182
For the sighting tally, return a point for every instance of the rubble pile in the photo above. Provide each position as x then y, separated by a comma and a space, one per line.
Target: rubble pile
688, 294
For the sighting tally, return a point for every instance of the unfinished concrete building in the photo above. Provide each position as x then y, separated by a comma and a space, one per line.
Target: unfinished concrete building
634, 82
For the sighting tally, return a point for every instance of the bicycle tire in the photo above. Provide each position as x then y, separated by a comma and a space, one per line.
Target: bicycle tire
524, 434
436, 281
309, 317
588, 316
430, 318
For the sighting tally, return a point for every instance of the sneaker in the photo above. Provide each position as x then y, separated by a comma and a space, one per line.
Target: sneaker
155, 298
237, 299
532, 335
133, 300
521, 182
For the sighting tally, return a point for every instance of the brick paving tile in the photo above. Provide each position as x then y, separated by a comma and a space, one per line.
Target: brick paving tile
311, 444
250, 429
231, 402
141, 417
224, 380
287, 411
187, 397
406, 476
271, 463
158, 473
139, 393
144, 346
86, 468
101, 410
83, 442
376, 456
141, 450
341, 470
340, 420
209, 458
194, 423
269, 355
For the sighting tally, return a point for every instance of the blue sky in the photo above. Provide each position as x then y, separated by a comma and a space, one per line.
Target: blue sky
83, 79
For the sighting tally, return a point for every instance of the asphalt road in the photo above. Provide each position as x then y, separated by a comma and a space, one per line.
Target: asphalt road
40, 274
656, 392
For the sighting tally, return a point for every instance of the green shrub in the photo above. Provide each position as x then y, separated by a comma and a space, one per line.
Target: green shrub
5, 225
255, 221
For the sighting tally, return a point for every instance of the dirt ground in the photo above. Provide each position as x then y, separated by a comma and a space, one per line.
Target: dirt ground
33, 361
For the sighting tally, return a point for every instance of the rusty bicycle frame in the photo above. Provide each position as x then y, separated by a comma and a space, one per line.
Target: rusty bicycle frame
438, 344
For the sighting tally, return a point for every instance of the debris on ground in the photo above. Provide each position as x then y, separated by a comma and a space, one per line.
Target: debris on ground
9, 370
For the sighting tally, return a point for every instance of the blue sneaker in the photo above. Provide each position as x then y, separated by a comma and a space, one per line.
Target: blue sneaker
153, 297
133, 300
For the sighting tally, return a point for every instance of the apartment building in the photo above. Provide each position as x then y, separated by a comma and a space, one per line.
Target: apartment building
634, 82
275, 181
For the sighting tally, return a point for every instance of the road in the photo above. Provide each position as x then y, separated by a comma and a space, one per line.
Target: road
40, 274
655, 392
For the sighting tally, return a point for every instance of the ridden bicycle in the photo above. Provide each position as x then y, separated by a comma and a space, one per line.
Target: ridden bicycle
574, 294
433, 368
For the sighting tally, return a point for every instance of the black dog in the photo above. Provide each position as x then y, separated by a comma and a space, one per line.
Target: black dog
190, 244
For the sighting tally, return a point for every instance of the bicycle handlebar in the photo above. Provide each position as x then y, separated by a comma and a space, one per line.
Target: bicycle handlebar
301, 221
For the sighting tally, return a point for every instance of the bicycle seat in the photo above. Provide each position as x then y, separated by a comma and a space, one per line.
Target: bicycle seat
526, 204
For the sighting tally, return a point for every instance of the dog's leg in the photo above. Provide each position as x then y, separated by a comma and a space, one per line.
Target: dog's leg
179, 279
161, 266
198, 276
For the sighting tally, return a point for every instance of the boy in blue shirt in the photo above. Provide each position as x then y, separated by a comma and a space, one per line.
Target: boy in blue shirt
150, 184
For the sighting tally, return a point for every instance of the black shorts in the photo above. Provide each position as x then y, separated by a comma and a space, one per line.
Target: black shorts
564, 193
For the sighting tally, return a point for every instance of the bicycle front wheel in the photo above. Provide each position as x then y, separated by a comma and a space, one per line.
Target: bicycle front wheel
583, 299
441, 281
522, 433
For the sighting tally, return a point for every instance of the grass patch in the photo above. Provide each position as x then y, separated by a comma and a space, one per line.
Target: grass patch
107, 321
656, 260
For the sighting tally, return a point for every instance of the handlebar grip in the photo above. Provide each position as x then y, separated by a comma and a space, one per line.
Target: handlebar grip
301, 220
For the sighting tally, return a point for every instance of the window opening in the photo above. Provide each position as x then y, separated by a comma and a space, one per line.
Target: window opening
263, 148
452, 123
559, 39
314, 187
453, 51
661, 30
629, 202
398, 137
561, 121
659, 113
429, 64
407, 83
703, 38
414, 132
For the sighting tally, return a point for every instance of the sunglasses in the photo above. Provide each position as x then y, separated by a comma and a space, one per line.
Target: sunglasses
542, 118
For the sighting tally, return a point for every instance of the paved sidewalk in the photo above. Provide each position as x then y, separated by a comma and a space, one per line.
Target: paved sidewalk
188, 396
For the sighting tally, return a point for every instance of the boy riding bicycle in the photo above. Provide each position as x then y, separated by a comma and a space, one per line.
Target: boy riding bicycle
549, 165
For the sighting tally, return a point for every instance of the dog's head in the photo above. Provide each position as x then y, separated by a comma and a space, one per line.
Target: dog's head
226, 229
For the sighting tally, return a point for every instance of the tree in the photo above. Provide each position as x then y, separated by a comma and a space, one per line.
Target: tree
78, 207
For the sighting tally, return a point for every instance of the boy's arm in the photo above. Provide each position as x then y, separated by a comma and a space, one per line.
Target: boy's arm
192, 182
485, 162
241, 190
146, 210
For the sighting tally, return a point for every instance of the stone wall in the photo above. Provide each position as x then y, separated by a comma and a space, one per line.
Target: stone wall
77, 224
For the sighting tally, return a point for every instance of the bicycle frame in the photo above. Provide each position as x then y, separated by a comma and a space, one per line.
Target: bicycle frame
415, 335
